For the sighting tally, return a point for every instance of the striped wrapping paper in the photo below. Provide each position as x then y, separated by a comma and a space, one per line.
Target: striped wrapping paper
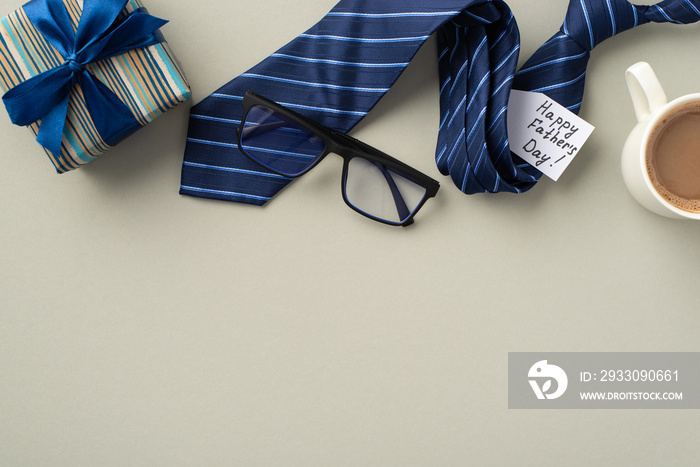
149, 81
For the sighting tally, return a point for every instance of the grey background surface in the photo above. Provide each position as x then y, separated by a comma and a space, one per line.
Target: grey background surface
140, 327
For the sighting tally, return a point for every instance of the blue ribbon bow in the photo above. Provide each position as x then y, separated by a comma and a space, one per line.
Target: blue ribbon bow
99, 36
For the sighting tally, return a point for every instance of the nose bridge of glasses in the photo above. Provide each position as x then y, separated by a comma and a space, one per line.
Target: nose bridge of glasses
348, 142
355, 147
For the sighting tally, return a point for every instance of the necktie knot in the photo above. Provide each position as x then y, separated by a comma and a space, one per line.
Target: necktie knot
673, 11
590, 22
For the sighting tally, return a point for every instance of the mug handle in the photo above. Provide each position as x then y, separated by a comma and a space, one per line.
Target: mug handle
645, 89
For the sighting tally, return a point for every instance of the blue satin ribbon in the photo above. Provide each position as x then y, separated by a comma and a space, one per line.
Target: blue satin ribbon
99, 36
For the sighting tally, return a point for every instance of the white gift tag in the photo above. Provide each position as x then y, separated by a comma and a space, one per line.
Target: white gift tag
544, 133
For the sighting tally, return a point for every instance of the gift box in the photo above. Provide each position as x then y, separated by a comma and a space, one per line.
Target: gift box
85, 74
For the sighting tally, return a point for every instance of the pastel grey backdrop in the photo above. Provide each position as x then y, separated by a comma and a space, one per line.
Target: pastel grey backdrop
141, 327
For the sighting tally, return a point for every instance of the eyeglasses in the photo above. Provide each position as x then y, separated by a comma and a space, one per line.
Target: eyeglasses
374, 184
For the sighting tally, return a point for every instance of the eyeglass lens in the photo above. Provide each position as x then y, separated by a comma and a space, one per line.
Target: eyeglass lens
381, 192
278, 143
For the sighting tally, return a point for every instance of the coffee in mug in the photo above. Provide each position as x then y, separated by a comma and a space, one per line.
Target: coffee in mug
661, 157
673, 157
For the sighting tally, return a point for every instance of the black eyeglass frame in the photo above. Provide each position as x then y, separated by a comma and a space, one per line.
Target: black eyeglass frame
343, 145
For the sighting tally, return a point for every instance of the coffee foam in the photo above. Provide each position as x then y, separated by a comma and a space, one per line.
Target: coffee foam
690, 205
685, 204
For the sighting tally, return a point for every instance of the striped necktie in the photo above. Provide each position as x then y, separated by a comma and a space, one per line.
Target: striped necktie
336, 72
481, 162
558, 68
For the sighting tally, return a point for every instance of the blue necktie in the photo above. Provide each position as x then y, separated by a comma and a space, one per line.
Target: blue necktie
337, 71
558, 68
481, 162
334, 74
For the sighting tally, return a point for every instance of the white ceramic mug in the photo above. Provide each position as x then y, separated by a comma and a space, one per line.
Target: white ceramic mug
650, 106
